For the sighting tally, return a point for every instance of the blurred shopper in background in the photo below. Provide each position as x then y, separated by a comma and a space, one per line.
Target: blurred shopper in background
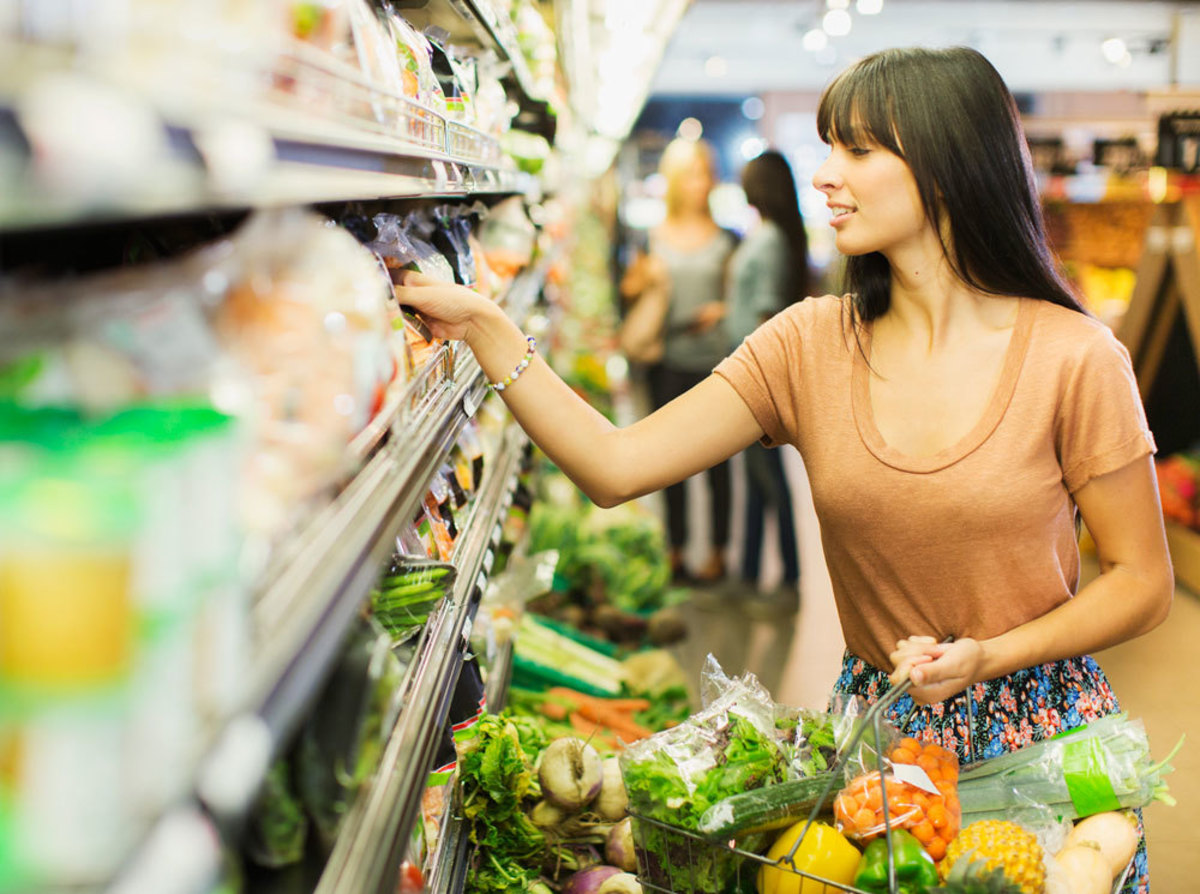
768, 271
686, 268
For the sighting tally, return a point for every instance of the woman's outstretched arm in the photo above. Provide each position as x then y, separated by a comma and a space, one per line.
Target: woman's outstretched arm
611, 465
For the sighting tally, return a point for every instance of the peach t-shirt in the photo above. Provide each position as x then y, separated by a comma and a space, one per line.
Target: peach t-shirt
978, 538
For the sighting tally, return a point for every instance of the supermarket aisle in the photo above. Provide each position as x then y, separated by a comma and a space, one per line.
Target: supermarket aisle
1155, 679
798, 661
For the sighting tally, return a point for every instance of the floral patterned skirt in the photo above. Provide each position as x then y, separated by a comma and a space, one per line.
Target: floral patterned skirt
1004, 714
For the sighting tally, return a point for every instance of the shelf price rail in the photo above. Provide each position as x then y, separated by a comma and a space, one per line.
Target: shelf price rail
376, 832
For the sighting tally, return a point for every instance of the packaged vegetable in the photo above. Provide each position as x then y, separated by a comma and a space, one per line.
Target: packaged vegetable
919, 791
674, 776
277, 825
408, 591
1104, 765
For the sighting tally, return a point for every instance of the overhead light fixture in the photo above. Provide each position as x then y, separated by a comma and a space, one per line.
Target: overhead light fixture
815, 40
837, 4
869, 7
836, 23
690, 129
716, 67
1114, 50
752, 147
753, 108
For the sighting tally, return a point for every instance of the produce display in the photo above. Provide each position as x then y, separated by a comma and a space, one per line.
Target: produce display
169, 430
538, 810
1178, 477
612, 578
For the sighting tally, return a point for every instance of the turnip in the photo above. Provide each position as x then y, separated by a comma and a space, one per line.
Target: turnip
621, 883
612, 803
588, 881
545, 815
570, 773
619, 849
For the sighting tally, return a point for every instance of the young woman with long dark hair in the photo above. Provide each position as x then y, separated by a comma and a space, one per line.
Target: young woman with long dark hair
957, 413
768, 271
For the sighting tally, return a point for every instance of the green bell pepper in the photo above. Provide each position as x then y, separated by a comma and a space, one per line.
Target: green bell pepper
915, 870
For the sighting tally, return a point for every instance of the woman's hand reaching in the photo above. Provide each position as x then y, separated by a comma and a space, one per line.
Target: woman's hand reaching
447, 309
937, 670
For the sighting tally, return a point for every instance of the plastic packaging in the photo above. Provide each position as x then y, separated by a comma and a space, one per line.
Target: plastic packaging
408, 592
917, 791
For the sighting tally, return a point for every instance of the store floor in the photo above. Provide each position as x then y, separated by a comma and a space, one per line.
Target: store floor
798, 658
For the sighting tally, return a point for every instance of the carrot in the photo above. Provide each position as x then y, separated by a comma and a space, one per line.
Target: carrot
554, 710
619, 723
593, 731
627, 705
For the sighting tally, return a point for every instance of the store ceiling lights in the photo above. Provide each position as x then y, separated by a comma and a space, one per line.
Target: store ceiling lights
611, 50
1116, 51
716, 67
836, 23
869, 7
815, 40
837, 4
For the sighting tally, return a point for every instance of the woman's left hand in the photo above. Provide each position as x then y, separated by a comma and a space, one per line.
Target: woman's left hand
937, 670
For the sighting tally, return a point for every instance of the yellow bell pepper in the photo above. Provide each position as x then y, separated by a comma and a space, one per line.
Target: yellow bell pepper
823, 852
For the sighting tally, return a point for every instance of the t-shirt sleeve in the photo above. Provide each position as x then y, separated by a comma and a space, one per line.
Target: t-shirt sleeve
761, 371
1102, 422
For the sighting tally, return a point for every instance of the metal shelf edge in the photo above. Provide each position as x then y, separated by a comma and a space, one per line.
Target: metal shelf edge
378, 826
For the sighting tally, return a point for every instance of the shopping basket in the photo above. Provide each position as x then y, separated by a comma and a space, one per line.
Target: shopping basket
673, 860
684, 862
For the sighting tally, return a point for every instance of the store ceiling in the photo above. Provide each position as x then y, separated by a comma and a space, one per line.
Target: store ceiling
753, 46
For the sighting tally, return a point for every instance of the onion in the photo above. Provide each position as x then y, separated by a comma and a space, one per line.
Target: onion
619, 849
621, 883
1114, 832
612, 803
588, 881
570, 773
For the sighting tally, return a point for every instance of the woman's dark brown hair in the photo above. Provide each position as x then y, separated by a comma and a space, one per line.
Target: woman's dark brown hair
949, 115
771, 189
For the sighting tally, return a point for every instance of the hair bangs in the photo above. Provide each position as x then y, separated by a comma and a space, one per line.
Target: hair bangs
856, 108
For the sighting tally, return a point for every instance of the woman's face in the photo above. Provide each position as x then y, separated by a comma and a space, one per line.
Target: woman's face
695, 182
874, 199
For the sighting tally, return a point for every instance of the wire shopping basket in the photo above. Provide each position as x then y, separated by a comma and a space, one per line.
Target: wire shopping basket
674, 860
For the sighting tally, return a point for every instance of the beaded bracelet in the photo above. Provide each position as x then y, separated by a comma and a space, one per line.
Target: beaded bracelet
516, 373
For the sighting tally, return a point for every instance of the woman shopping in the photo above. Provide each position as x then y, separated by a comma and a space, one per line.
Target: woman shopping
957, 412
769, 271
687, 260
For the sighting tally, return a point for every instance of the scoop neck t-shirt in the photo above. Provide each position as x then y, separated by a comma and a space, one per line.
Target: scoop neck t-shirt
979, 537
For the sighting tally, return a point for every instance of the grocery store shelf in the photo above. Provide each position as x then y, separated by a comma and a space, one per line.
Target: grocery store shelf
320, 583
299, 172
375, 832
503, 36
317, 586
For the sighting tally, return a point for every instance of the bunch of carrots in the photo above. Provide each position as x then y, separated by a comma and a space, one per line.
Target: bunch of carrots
607, 721
933, 819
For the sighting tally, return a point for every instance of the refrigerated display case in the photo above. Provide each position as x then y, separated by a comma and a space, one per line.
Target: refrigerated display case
241, 116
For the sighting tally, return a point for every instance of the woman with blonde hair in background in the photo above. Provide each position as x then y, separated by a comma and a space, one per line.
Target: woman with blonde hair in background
686, 266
